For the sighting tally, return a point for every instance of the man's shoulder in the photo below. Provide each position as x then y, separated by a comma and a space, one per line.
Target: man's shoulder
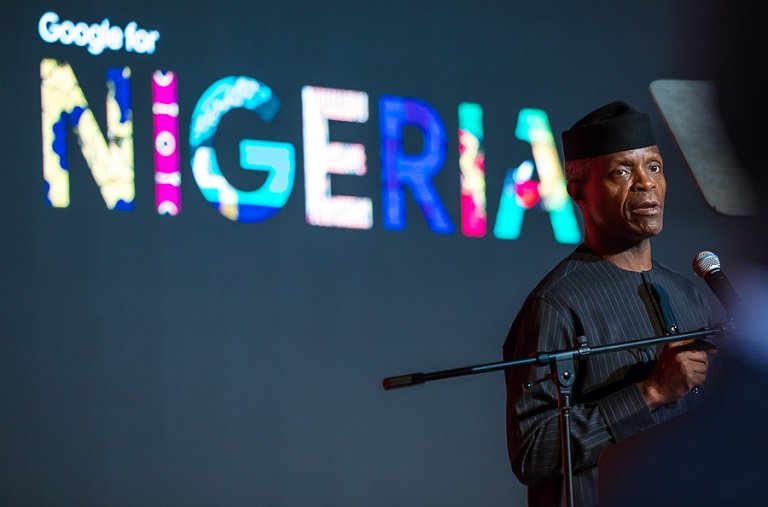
584, 276
581, 268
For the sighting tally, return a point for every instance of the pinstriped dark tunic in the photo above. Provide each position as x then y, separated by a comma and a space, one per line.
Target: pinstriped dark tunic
587, 295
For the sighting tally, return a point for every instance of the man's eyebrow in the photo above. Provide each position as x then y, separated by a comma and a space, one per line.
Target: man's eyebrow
634, 161
622, 161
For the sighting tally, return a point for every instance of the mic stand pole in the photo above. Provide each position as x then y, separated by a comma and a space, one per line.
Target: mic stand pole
563, 372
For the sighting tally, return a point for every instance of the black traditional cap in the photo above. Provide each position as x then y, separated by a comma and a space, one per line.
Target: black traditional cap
608, 129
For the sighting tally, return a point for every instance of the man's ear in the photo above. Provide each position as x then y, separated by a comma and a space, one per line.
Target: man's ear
576, 191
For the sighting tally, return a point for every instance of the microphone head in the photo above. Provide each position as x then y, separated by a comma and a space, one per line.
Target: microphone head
705, 263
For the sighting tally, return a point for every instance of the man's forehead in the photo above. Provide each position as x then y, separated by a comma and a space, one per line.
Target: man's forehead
634, 155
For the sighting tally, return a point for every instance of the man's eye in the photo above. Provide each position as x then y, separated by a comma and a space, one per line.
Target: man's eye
655, 168
620, 172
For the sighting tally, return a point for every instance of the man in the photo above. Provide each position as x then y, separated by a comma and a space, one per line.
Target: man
609, 290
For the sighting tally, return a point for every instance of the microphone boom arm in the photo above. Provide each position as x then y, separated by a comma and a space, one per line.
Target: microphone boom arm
545, 358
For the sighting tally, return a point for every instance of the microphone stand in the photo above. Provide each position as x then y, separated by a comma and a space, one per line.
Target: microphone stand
563, 372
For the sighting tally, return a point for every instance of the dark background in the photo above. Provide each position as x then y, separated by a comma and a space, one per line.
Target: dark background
192, 360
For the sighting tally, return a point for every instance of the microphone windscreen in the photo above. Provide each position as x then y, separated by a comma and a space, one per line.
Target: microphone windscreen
705, 262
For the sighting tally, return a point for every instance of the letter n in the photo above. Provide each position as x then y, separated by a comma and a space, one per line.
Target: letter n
110, 160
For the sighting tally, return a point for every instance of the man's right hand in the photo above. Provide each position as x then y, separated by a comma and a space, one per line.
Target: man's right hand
681, 367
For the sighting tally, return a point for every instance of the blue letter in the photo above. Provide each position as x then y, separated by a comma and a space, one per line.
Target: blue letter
416, 171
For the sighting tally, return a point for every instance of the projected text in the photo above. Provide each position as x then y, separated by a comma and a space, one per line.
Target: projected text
403, 175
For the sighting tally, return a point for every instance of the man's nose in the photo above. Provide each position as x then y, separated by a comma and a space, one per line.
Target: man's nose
642, 181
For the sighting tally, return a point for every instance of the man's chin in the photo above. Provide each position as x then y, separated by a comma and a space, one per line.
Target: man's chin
636, 236
647, 229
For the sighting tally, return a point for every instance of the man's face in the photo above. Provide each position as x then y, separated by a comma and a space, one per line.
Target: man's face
623, 196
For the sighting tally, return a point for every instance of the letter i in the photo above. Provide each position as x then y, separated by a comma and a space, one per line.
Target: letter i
165, 119
472, 165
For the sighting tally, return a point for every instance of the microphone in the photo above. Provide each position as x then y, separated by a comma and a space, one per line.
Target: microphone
707, 265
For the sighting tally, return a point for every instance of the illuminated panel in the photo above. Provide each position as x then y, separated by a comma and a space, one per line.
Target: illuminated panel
165, 119
521, 192
416, 171
277, 159
110, 161
323, 158
472, 165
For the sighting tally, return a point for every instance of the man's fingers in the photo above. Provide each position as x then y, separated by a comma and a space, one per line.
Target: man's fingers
699, 357
696, 356
700, 375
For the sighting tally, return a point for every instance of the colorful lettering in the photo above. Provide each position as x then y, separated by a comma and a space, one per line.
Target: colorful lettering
165, 121
278, 159
110, 160
472, 165
521, 192
416, 171
323, 158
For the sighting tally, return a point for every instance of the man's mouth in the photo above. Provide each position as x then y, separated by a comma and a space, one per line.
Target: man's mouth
647, 208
